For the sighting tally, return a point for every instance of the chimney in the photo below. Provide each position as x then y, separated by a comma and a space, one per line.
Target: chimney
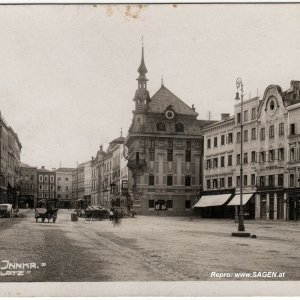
224, 116
101, 148
193, 107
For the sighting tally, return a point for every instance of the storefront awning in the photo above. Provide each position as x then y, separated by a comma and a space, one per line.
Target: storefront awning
236, 199
212, 200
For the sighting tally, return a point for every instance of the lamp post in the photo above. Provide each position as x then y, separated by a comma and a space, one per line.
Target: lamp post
241, 228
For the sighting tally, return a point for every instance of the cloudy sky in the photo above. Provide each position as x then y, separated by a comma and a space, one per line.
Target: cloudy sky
68, 73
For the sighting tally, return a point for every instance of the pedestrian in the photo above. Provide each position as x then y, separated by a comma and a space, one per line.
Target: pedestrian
111, 214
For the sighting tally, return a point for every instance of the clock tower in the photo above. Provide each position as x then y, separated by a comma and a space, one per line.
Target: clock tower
164, 149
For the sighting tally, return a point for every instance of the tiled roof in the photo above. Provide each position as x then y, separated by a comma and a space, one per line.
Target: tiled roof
164, 98
23, 165
64, 169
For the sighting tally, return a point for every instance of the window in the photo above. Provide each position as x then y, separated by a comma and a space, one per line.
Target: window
281, 154
271, 155
238, 159
161, 126
40, 178
253, 133
222, 161
253, 156
170, 144
292, 180
215, 141
222, 183
238, 137
271, 180
292, 154
245, 183
238, 181
32, 177
230, 137
46, 178
208, 184
40, 187
262, 181
32, 186
271, 131
229, 160
252, 179
245, 158
169, 180
238, 118
170, 155
262, 134
292, 129
152, 143
253, 113
245, 116
229, 180
170, 203
281, 128
246, 136
223, 139
151, 203
208, 162
208, 144
215, 183
58, 196
67, 179
151, 154
46, 188
59, 188
46, 195
215, 161
187, 180
280, 179
187, 203
179, 127
188, 152
67, 196
262, 156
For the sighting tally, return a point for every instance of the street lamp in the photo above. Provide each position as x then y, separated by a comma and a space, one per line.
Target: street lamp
241, 228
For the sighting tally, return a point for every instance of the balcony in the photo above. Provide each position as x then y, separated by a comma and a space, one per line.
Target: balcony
136, 164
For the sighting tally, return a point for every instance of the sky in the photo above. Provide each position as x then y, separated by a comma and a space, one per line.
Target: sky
68, 72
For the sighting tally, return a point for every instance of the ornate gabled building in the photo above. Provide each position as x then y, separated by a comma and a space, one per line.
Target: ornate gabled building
164, 145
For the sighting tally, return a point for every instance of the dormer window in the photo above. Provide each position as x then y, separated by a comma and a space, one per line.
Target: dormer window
179, 127
161, 126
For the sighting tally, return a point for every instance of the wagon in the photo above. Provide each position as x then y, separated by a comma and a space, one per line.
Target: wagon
44, 214
96, 214
6, 211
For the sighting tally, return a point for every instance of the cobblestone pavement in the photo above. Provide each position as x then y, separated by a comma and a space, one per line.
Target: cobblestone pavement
146, 248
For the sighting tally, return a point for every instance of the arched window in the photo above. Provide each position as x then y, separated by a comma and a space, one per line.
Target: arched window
179, 127
161, 126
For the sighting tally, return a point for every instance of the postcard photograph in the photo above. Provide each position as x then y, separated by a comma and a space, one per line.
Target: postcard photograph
152, 144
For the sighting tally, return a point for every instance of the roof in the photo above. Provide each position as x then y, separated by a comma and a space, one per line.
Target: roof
23, 165
204, 123
164, 98
119, 140
65, 169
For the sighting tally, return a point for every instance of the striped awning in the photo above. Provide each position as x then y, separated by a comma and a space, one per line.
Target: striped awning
237, 198
212, 200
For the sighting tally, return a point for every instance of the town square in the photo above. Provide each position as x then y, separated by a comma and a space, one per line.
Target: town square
149, 143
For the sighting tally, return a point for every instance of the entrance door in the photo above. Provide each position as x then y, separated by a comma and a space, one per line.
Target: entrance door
263, 208
271, 207
280, 207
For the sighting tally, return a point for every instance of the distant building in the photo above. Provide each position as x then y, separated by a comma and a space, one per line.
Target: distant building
64, 187
28, 186
87, 182
46, 188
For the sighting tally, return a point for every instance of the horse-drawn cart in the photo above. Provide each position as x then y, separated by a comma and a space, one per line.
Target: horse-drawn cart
43, 214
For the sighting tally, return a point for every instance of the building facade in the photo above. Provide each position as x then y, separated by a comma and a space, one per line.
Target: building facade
10, 151
269, 155
28, 186
46, 185
64, 187
164, 145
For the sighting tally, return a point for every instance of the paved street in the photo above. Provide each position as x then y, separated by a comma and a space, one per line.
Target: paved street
146, 248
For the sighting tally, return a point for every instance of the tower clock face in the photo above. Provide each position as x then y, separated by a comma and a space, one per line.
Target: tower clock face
169, 114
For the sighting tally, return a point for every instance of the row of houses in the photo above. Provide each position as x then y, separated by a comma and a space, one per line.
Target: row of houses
271, 157
10, 151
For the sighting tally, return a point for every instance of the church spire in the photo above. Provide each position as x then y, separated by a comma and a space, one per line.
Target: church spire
142, 79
